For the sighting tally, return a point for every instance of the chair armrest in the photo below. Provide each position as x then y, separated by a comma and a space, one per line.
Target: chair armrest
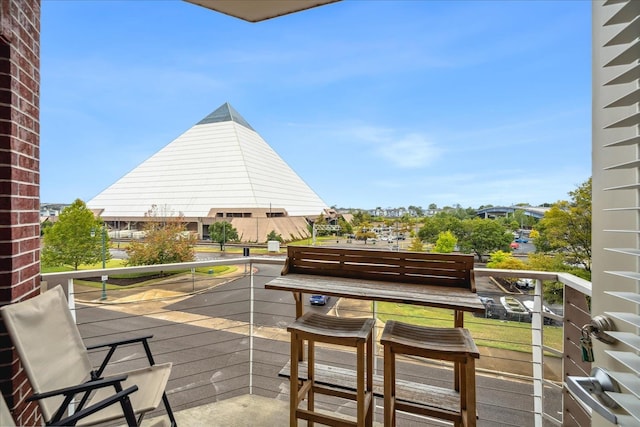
120, 342
144, 340
80, 388
121, 397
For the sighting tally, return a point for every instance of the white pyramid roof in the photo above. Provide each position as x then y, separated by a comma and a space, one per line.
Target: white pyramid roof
222, 163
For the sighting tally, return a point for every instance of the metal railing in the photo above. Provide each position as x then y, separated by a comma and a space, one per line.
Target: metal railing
226, 335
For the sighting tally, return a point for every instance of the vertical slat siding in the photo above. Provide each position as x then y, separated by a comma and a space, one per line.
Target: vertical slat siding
576, 314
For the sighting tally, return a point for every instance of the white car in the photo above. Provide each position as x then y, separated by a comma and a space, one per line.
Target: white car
525, 283
529, 305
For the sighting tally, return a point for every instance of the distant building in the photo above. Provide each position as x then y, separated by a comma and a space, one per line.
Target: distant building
48, 210
219, 170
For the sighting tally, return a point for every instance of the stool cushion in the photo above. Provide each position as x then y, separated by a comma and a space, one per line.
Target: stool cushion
429, 341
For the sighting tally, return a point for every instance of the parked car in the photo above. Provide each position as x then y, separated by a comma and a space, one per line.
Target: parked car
515, 245
525, 284
547, 320
318, 299
522, 240
515, 309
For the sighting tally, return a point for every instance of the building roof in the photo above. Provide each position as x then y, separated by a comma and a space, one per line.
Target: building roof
220, 164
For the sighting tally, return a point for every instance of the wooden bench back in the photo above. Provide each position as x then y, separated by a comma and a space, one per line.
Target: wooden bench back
408, 267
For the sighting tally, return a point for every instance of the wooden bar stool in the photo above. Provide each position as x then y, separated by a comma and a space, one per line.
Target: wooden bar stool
451, 344
352, 332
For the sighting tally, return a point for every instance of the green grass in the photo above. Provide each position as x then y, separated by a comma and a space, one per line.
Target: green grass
507, 335
203, 271
113, 263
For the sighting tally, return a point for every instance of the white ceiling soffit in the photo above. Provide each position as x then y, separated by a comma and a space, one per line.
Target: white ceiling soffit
259, 10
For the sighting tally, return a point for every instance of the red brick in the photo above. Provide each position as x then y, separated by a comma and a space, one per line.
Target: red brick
29, 217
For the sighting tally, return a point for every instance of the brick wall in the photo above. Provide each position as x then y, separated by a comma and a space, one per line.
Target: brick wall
19, 182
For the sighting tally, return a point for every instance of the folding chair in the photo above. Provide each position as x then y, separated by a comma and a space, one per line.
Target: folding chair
58, 367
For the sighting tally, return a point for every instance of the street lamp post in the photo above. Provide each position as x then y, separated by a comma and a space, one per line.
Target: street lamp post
104, 265
104, 261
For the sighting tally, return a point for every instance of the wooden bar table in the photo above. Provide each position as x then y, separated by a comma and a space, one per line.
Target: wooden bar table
457, 299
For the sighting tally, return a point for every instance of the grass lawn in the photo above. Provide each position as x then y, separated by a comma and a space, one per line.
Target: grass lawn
494, 333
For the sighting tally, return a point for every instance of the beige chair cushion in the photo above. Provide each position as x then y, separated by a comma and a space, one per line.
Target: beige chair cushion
151, 383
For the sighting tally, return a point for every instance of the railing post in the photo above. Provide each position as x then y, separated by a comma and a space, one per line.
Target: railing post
374, 307
251, 308
537, 353
71, 299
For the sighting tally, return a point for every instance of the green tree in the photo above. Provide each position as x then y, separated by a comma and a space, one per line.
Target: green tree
461, 213
69, 241
44, 225
274, 236
223, 232
416, 245
433, 226
505, 260
345, 227
566, 228
482, 236
415, 210
446, 243
360, 217
522, 219
166, 241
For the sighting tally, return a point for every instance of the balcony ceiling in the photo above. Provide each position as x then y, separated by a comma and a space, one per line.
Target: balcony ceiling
259, 10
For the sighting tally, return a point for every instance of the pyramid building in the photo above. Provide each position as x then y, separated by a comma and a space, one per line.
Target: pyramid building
220, 169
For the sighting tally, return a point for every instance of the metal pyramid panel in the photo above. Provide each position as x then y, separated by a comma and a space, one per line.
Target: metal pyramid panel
220, 163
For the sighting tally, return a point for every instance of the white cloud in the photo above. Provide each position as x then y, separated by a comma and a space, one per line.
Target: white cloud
410, 151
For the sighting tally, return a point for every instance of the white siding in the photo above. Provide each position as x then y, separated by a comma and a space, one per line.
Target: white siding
616, 186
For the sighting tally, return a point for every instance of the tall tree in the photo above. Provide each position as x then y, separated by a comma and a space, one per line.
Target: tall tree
166, 240
433, 226
483, 236
75, 239
222, 232
566, 228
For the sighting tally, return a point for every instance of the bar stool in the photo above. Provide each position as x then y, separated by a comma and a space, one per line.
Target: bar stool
352, 332
450, 344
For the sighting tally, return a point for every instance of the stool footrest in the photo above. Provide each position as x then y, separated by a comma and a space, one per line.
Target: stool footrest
423, 395
428, 411
326, 419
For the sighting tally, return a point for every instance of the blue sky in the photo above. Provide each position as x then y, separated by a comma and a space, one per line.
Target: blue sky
373, 103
